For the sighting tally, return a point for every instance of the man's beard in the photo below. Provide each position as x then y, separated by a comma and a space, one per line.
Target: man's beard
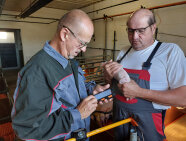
71, 57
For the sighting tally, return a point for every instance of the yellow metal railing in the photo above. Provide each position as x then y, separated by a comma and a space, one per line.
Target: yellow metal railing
105, 128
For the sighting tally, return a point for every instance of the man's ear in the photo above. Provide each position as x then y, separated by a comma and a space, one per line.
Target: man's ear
63, 35
154, 28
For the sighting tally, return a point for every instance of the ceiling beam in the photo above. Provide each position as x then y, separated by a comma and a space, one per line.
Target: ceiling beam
2, 2
34, 7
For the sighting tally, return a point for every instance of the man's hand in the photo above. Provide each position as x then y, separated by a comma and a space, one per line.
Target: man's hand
87, 106
110, 68
130, 89
99, 89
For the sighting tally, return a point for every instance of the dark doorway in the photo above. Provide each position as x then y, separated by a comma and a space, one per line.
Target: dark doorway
11, 54
8, 55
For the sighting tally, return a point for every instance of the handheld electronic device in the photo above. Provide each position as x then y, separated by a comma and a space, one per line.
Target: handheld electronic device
107, 94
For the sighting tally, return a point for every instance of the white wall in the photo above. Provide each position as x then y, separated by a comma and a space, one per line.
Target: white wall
170, 20
34, 35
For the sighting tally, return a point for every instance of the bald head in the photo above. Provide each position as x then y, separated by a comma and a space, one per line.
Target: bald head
74, 32
77, 20
141, 29
142, 14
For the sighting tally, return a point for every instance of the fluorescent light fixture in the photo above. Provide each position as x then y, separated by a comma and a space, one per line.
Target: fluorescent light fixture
3, 35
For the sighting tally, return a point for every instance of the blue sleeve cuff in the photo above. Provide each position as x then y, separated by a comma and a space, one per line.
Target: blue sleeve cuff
76, 115
90, 86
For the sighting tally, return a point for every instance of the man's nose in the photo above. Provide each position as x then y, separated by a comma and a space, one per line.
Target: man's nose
83, 49
135, 34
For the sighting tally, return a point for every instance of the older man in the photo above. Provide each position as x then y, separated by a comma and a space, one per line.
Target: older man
51, 99
158, 73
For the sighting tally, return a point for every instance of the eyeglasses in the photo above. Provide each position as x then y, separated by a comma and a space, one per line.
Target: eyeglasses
138, 30
82, 44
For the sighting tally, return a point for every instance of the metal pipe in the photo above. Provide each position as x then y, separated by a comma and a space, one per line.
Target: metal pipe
33, 17
102, 48
172, 34
23, 21
90, 4
112, 6
104, 51
167, 5
155, 7
12, 15
34, 7
114, 48
43, 18
105, 128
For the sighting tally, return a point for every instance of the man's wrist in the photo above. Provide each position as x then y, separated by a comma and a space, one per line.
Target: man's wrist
143, 93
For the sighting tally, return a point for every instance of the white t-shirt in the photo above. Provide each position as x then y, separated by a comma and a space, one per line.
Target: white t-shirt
168, 69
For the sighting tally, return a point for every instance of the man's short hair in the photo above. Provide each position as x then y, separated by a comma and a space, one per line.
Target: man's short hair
152, 19
61, 22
